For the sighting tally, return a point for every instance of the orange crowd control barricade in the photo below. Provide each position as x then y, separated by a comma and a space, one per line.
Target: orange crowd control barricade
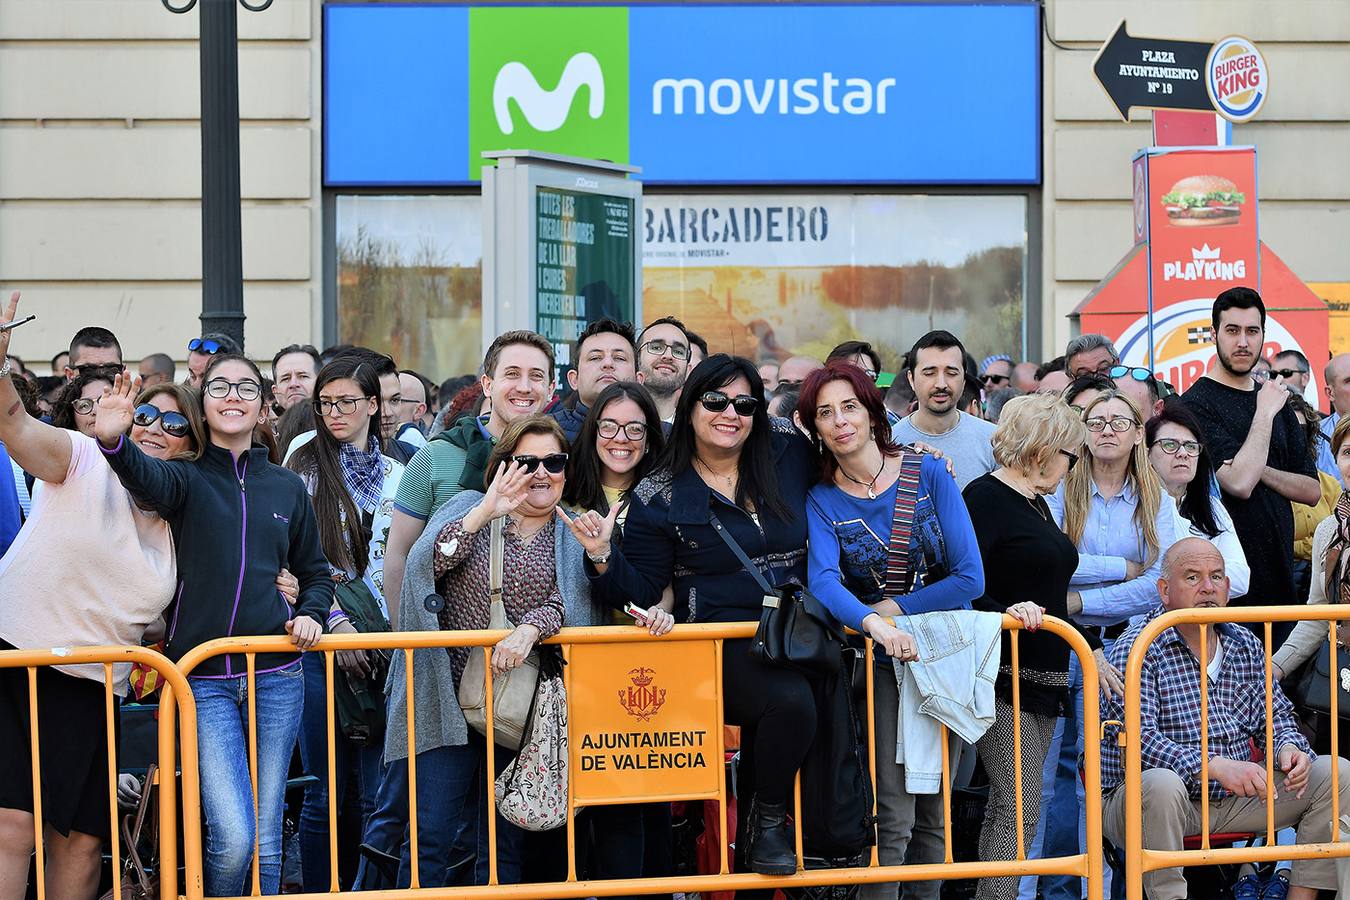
620, 682
1139, 860
174, 685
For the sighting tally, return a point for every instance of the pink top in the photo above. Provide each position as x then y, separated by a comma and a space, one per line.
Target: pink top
88, 568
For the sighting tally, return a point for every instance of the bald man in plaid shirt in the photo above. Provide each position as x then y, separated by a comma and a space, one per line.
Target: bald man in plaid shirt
1193, 577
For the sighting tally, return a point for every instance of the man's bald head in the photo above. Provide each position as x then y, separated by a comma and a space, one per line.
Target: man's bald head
1337, 380
1193, 575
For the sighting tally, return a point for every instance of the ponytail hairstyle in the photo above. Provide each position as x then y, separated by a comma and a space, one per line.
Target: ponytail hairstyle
342, 533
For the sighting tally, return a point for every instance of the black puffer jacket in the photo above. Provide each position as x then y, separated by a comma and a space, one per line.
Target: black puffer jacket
235, 525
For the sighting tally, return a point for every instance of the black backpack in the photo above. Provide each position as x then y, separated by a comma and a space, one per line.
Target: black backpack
836, 805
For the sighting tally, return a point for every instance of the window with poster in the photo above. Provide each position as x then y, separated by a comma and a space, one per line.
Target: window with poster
761, 275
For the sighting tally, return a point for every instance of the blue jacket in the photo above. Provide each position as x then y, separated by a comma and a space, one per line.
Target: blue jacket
235, 525
668, 537
570, 419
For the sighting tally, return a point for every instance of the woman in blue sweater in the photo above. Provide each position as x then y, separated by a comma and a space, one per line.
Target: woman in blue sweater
849, 517
236, 520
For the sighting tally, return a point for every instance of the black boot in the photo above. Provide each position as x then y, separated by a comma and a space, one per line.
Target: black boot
772, 850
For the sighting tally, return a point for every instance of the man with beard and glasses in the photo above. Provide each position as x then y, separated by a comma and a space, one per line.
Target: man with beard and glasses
1259, 449
936, 369
663, 363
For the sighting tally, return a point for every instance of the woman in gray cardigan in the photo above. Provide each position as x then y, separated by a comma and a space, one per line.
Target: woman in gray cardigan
448, 756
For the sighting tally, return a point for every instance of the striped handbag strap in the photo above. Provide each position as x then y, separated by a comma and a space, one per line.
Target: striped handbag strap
899, 577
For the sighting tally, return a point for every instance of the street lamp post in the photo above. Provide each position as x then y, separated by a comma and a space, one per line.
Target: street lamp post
222, 241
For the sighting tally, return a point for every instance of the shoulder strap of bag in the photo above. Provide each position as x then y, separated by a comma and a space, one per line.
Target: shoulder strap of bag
131, 834
899, 578
496, 550
769, 592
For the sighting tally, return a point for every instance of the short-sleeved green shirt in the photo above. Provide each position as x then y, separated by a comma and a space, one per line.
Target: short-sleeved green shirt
430, 479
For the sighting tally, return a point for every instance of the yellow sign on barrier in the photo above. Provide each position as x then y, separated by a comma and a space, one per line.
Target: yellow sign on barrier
645, 724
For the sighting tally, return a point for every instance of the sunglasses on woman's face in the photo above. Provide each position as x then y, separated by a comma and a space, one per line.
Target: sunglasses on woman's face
172, 423
553, 464
716, 401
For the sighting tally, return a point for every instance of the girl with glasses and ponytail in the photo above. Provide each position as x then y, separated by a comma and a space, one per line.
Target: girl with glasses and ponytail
727, 462
352, 486
236, 519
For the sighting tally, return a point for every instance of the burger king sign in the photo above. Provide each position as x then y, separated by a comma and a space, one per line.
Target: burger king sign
1237, 78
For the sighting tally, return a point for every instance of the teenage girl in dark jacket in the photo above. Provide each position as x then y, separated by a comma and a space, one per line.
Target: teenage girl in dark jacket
236, 520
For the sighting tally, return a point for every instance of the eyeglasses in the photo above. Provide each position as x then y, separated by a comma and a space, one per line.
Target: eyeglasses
994, 380
220, 389
1138, 373
202, 345
608, 428
1288, 373
716, 401
1171, 445
85, 405
1073, 458
554, 463
661, 348
789, 384
344, 405
170, 422
1118, 423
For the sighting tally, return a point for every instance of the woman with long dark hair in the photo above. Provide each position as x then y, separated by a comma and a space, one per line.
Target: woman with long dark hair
236, 519
352, 485
851, 516
1176, 449
727, 462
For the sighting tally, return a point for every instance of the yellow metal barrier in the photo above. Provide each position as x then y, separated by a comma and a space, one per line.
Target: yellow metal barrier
1139, 860
174, 684
1087, 865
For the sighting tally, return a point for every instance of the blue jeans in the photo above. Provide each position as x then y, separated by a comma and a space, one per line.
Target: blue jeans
357, 766
227, 794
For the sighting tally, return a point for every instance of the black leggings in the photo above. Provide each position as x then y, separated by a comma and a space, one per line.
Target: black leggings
778, 708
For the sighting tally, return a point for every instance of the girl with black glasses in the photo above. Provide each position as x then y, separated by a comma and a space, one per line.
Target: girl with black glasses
236, 520
728, 462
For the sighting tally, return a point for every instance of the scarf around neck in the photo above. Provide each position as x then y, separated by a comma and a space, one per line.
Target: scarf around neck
363, 473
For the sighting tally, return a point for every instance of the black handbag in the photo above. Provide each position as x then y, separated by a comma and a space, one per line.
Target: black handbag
1312, 693
836, 792
794, 630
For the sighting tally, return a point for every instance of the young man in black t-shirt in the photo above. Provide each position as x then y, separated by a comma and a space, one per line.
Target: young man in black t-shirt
1259, 449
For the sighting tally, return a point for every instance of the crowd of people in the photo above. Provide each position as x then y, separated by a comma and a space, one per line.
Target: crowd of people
338, 494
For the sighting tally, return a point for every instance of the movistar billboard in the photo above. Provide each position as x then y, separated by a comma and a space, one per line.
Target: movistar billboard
920, 94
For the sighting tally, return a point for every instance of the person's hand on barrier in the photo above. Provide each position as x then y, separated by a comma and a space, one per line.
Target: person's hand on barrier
1111, 679
304, 632
936, 454
657, 621
353, 662
289, 586
897, 644
115, 409
1245, 779
592, 530
1296, 766
511, 650
1029, 614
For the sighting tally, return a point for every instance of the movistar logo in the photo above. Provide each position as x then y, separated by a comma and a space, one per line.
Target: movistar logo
547, 110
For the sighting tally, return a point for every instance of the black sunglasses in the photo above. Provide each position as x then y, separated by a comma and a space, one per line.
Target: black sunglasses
1288, 373
554, 463
716, 401
994, 379
173, 423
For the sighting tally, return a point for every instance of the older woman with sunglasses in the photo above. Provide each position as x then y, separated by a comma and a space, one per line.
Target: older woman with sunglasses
730, 474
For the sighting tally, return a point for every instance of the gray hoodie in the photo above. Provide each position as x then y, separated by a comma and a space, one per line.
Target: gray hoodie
440, 723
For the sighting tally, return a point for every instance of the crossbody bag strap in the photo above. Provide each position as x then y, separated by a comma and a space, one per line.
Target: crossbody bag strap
496, 550
770, 595
899, 577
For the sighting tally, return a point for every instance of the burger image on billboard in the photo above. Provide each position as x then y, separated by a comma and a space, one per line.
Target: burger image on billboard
1203, 201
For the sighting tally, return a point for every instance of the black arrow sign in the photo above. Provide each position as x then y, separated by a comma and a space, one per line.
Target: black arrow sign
1152, 73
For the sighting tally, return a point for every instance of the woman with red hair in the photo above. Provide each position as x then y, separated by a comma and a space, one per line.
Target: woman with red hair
850, 515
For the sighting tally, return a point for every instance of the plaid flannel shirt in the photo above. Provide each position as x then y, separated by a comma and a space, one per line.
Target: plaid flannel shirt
1169, 699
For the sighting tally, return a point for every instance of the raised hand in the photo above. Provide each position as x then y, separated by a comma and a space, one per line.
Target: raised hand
592, 530
507, 490
115, 409
11, 311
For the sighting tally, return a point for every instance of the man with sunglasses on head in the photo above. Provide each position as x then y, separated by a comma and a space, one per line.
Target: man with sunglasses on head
936, 370
1140, 385
663, 363
200, 351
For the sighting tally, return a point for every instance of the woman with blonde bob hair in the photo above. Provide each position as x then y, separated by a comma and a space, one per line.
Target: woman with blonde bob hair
1028, 562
